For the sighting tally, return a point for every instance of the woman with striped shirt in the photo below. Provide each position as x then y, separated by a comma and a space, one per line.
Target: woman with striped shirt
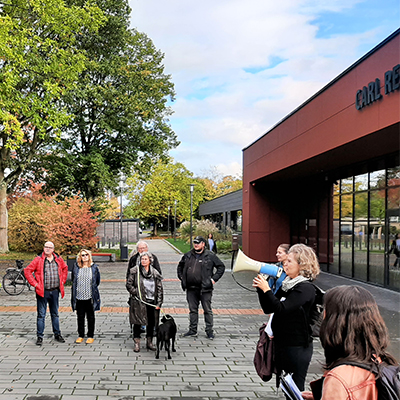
85, 296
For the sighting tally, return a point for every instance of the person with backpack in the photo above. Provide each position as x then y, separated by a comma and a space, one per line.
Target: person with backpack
291, 306
355, 340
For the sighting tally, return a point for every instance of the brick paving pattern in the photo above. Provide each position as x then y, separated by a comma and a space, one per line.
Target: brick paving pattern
109, 369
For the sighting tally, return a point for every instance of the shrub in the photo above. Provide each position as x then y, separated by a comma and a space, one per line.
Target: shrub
35, 219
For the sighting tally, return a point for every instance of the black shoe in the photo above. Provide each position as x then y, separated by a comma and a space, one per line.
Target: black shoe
190, 334
39, 341
59, 338
210, 335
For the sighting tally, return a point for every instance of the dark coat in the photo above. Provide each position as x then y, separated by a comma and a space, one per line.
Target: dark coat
95, 286
133, 261
212, 268
137, 309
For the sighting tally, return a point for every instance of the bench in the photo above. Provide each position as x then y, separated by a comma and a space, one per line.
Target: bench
103, 257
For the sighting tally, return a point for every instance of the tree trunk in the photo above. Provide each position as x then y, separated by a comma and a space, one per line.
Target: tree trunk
3, 216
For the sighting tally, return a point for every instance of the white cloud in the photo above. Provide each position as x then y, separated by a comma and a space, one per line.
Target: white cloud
220, 108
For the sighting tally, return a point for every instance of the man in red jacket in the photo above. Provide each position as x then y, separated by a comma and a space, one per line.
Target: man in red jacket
48, 274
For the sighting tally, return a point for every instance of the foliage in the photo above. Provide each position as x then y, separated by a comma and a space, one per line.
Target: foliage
120, 110
224, 246
39, 65
217, 185
204, 228
149, 200
36, 218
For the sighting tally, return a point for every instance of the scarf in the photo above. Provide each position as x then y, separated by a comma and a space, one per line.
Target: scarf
289, 283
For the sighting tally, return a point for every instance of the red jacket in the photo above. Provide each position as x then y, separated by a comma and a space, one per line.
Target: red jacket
37, 267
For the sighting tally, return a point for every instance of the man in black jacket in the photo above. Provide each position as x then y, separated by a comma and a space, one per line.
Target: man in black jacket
198, 271
141, 247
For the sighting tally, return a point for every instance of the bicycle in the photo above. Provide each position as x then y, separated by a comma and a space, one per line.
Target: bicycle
14, 281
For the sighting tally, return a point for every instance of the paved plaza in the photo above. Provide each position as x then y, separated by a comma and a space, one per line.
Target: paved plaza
109, 369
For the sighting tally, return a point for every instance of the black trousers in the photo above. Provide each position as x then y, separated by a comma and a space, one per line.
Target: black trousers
296, 360
84, 308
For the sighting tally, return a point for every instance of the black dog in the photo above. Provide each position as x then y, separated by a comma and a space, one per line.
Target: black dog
166, 332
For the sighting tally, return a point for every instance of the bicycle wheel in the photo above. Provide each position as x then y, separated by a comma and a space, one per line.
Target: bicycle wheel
14, 283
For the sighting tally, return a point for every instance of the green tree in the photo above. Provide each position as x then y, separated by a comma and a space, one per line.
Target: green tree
121, 110
149, 200
216, 185
39, 64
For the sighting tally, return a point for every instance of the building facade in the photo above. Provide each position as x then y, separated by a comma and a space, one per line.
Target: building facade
328, 174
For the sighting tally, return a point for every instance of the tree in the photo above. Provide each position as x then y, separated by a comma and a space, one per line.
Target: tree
217, 185
120, 108
39, 64
149, 199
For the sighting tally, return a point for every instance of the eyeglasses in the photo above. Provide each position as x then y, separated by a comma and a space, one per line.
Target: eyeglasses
85, 255
196, 242
48, 247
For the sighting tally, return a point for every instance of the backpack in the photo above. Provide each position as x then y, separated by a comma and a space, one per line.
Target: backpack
316, 312
387, 379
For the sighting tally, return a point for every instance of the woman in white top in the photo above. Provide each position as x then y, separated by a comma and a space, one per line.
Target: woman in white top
85, 296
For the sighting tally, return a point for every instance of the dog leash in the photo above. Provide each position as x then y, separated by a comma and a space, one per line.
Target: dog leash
140, 294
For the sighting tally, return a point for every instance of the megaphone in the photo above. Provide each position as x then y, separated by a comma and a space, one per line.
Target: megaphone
244, 263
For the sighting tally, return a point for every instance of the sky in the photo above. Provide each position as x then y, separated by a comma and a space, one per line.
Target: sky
240, 66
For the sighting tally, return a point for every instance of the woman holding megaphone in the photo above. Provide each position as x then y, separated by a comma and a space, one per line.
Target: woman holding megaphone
291, 305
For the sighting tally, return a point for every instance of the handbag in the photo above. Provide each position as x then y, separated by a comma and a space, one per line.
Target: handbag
264, 357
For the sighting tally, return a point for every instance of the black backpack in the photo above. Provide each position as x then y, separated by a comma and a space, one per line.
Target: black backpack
316, 313
387, 378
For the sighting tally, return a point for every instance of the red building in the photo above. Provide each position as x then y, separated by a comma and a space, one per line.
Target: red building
328, 174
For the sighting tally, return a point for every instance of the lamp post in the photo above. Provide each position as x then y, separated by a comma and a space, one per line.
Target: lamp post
175, 222
169, 208
121, 186
191, 212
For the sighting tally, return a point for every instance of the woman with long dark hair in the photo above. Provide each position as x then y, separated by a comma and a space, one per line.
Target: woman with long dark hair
352, 332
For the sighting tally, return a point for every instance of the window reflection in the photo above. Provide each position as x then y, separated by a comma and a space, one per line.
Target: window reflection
366, 223
377, 179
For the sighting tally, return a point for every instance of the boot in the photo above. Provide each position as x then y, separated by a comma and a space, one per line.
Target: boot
149, 344
136, 346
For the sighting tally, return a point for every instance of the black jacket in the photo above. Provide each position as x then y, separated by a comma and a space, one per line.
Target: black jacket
133, 260
212, 268
290, 320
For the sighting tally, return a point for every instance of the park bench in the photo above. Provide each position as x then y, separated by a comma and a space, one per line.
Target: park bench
103, 257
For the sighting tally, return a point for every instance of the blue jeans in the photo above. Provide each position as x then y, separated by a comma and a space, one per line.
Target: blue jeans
51, 298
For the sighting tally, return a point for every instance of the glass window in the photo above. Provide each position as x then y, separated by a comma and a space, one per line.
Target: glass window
347, 185
361, 235
393, 176
377, 179
346, 235
334, 267
361, 182
377, 236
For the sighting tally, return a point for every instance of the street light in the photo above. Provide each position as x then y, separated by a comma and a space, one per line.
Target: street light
175, 222
191, 212
168, 219
121, 187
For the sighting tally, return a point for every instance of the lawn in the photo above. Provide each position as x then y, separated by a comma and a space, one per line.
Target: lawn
179, 244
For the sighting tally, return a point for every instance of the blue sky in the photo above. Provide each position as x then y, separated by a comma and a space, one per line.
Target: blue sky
241, 66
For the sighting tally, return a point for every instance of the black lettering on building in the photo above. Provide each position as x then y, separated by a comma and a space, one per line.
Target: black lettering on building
396, 77
388, 82
378, 94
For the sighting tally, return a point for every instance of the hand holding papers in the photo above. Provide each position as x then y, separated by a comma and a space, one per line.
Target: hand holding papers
289, 387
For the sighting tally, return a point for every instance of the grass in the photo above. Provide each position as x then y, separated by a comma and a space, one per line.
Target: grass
179, 244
